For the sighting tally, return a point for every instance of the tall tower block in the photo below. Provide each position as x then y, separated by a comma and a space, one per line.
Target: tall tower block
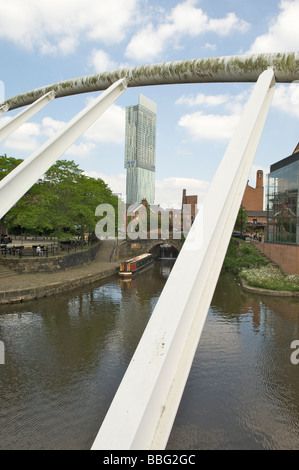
140, 151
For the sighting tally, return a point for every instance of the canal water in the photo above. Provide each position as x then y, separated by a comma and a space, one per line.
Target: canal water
65, 357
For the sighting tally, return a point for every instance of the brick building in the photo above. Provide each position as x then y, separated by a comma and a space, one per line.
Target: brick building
253, 202
282, 233
192, 200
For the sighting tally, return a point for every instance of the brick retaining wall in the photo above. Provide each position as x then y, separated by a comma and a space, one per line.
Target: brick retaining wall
285, 256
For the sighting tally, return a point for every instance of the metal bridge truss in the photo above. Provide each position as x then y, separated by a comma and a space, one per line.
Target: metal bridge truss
143, 410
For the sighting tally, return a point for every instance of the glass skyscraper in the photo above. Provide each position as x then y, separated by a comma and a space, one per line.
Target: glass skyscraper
140, 151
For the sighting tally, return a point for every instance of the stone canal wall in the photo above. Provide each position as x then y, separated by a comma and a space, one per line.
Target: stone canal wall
35, 292
49, 276
56, 263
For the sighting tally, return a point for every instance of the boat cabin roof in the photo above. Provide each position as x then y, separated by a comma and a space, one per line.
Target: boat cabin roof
138, 258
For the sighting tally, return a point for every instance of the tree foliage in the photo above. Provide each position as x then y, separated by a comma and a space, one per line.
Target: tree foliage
7, 164
62, 203
242, 217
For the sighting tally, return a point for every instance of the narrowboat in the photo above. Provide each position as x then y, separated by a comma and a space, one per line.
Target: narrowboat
135, 265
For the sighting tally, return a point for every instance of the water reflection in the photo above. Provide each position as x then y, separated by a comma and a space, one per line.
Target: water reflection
66, 356
243, 391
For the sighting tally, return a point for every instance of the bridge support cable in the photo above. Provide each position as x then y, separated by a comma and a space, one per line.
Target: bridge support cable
143, 410
20, 180
24, 115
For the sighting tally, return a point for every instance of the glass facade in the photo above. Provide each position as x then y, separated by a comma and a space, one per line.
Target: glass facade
283, 202
140, 151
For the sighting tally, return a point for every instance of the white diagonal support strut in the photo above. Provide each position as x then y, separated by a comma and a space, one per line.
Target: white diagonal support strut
143, 410
24, 115
20, 180
4, 109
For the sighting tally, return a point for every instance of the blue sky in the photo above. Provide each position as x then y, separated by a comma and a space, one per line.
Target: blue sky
43, 42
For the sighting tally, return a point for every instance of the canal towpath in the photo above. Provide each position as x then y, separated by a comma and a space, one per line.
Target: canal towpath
21, 287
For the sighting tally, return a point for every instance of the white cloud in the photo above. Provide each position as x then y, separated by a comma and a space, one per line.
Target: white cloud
233, 103
51, 126
224, 26
184, 20
213, 126
210, 46
101, 62
59, 26
24, 138
68, 45
81, 150
110, 127
286, 99
209, 126
202, 99
283, 32
146, 44
169, 190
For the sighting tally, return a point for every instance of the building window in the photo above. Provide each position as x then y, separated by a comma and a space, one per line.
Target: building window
283, 204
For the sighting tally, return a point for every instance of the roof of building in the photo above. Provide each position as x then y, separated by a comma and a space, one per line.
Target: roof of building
256, 213
132, 208
296, 148
286, 161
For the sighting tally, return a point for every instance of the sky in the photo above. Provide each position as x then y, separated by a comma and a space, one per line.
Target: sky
43, 42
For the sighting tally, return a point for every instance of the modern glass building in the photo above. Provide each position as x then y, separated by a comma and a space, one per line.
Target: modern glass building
140, 151
283, 201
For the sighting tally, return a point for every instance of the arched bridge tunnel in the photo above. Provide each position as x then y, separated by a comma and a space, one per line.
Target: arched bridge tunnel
158, 248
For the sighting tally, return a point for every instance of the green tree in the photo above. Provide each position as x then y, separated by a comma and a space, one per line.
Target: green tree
57, 198
7, 164
90, 193
25, 216
241, 220
61, 203
69, 200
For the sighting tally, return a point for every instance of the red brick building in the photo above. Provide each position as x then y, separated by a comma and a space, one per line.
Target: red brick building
192, 200
253, 201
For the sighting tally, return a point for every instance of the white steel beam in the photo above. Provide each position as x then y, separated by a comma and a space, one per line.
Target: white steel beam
20, 180
4, 108
24, 115
142, 412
